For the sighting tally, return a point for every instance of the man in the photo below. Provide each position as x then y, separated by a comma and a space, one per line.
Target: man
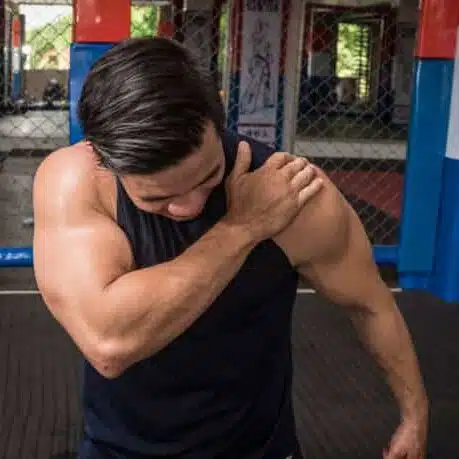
170, 251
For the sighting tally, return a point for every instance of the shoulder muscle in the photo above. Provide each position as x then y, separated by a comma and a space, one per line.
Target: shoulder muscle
72, 233
321, 229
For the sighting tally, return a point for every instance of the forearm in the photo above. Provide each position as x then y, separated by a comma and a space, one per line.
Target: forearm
384, 333
164, 300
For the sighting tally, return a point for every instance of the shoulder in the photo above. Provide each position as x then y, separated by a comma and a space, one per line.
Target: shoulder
321, 229
67, 180
260, 151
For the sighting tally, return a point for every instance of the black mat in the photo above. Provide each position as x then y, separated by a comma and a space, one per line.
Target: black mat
343, 407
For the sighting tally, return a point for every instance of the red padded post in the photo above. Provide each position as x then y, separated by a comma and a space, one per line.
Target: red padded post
101, 21
438, 23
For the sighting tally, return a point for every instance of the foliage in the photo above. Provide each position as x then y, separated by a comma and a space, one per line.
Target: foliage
353, 55
144, 21
55, 35
349, 50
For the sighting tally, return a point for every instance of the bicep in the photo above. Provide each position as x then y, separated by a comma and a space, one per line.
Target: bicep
330, 248
345, 271
78, 262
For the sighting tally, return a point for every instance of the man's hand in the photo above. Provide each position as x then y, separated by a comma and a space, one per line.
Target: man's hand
267, 200
409, 441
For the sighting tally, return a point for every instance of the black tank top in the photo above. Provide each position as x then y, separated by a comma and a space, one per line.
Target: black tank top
222, 387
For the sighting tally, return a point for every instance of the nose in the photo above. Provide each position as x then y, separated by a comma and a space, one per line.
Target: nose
188, 206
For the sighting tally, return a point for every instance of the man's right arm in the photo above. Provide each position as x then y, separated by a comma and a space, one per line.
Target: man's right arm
118, 315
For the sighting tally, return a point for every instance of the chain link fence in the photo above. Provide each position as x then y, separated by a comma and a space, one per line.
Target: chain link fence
353, 95
34, 113
354, 101
352, 90
35, 96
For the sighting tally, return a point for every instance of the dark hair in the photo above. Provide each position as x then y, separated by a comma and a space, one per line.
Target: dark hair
145, 104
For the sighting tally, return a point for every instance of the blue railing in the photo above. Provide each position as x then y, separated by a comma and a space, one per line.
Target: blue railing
14, 257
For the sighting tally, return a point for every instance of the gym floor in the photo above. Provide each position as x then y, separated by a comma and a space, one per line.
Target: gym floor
343, 407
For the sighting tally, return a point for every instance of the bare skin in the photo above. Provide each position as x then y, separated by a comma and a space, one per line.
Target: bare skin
75, 204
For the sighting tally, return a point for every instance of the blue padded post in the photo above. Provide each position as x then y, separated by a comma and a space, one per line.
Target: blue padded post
423, 177
82, 58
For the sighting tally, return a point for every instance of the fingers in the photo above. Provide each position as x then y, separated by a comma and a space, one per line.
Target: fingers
297, 166
243, 160
279, 160
390, 453
310, 190
397, 453
303, 177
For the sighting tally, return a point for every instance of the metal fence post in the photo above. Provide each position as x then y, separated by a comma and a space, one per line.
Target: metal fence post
294, 48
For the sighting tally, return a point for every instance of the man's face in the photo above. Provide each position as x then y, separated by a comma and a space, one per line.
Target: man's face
180, 192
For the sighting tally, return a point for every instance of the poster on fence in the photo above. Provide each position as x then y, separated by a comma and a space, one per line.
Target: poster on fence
260, 67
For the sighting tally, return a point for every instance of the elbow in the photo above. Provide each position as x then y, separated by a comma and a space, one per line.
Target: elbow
108, 370
109, 359
109, 356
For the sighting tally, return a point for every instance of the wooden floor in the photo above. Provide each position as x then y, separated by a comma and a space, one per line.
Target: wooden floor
343, 408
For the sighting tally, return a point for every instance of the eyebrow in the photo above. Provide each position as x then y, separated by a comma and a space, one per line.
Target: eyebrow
208, 177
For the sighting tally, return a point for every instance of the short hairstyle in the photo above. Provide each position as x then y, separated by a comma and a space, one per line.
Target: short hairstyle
145, 104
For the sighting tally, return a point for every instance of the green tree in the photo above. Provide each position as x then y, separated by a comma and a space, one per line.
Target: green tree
54, 35
348, 50
353, 55
144, 21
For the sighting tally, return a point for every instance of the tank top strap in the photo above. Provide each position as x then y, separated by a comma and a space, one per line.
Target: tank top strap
124, 206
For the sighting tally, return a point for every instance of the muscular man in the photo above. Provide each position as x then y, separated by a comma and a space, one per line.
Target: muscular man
170, 249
